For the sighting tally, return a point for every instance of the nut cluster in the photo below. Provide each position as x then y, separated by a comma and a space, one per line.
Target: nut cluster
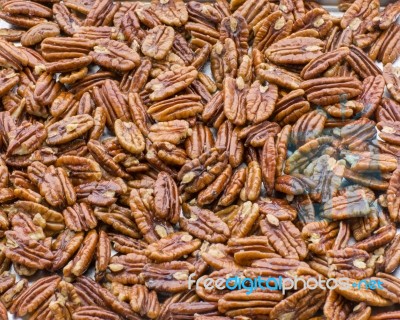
121, 153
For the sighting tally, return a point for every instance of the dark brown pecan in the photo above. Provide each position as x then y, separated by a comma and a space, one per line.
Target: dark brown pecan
315, 19
83, 257
327, 91
200, 172
46, 89
235, 27
301, 305
224, 60
298, 50
234, 187
170, 12
114, 55
203, 224
168, 276
284, 237
228, 138
170, 82
172, 247
79, 217
166, 198
179, 107
308, 127
100, 154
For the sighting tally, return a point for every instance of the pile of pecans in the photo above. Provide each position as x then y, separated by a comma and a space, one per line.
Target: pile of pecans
122, 153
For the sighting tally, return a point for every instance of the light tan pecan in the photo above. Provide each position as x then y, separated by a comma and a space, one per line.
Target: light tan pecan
158, 42
173, 13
